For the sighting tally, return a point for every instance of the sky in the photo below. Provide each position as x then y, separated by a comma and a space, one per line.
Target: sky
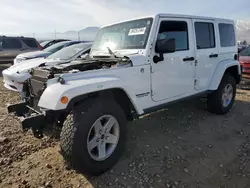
40, 16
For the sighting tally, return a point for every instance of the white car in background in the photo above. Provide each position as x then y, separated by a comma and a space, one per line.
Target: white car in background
44, 53
15, 76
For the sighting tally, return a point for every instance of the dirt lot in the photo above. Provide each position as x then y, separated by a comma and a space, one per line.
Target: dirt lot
184, 146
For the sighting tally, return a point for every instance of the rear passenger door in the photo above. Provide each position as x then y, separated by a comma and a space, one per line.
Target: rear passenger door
206, 52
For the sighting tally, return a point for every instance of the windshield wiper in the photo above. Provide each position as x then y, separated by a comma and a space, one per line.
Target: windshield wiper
111, 53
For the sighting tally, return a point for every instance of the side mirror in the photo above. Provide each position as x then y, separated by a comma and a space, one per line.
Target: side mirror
164, 46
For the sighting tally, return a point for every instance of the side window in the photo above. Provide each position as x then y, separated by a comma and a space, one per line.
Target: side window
204, 32
177, 30
227, 35
11, 43
30, 43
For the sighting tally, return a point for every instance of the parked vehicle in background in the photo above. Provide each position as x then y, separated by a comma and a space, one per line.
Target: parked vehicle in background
44, 53
244, 59
10, 47
15, 76
48, 43
242, 47
134, 68
43, 43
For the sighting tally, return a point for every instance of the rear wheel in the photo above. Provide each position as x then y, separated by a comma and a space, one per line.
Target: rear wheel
222, 100
93, 136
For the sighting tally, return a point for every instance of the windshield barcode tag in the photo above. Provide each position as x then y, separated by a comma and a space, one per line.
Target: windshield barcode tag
137, 31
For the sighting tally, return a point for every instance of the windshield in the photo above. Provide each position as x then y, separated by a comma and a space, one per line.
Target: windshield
55, 47
127, 35
69, 52
245, 52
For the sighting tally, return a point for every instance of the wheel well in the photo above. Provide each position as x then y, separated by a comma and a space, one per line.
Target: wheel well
116, 94
234, 72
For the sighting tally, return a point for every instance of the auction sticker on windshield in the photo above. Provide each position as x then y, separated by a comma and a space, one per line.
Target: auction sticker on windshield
137, 31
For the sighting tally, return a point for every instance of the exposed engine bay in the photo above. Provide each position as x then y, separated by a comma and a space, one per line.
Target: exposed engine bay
85, 65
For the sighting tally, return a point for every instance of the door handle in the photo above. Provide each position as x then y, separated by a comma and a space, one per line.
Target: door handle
188, 59
213, 55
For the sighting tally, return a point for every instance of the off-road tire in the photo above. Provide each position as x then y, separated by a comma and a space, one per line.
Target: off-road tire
73, 138
214, 102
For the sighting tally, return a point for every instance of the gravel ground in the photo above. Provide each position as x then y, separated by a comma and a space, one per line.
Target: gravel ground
183, 146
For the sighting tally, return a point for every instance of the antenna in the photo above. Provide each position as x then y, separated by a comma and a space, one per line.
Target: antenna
78, 36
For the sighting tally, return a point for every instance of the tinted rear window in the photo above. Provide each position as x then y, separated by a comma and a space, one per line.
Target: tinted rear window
204, 32
227, 35
9, 43
30, 42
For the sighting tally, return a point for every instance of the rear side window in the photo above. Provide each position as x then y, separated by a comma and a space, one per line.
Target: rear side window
9, 43
227, 35
30, 43
204, 32
177, 30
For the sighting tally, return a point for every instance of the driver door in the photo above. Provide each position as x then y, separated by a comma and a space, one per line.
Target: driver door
173, 77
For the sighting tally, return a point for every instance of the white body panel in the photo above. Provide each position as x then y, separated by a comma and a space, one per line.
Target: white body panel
19, 73
91, 81
205, 65
219, 71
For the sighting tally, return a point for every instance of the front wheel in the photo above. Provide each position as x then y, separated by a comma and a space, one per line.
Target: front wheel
93, 136
222, 100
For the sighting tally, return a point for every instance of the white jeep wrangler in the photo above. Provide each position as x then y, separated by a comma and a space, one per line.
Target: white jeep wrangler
134, 68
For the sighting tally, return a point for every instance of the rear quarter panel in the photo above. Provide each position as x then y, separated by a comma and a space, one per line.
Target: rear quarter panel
220, 70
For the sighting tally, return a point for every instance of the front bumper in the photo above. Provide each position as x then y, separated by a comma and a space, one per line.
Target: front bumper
35, 120
14, 81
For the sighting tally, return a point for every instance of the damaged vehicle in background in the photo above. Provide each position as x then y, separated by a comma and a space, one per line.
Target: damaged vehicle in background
244, 59
44, 53
15, 76
134, 68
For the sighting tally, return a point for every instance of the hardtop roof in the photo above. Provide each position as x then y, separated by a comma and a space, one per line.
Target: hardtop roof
193, 17
174, 16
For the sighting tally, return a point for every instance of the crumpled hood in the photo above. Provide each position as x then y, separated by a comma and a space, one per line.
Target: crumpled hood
35, 54
33, 63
